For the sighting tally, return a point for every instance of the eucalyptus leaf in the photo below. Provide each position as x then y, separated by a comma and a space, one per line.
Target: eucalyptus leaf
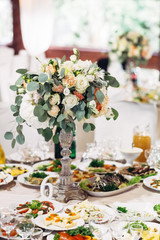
92, 126
19, 81
46, 107
32, 86
43, 117
20, 139
13, 143
47, 134
63, 59
43, 77
99, 96
19, 119
51, 121
115, 113
22, 70
16, 114
46, 96
62, 72
18, 100
38, 110
61, 117
14, 108
19, 129
56, 138
80, 115
40, 130
88, 114
86, 127
8, 135
112, 81
47, 87
13, 87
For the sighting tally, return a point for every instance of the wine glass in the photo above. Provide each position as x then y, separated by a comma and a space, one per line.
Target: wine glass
136, 231
25, 226
8, 220
117, 230
37, 234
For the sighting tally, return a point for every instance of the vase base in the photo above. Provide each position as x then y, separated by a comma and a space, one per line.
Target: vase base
67, 193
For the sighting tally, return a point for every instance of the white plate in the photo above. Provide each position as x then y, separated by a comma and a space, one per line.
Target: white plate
21, 179
16, 157
7, 178
39, 222
108, 212
148, 181
84, 166
36, 165
57, 205
146, 211
28, 168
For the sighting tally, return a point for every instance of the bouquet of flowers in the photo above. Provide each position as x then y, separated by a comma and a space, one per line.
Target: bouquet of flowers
132, 45
58, 95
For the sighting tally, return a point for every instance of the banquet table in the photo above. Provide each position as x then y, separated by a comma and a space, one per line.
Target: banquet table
15, 193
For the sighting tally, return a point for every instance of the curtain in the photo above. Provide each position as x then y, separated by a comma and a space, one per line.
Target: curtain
36, 25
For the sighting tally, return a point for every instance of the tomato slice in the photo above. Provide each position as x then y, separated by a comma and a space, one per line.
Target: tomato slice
35, 211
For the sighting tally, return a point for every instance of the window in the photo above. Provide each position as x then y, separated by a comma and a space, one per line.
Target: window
94, 23
6, 22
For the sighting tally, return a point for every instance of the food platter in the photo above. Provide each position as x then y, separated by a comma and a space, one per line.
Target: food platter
15, 169
23, 179
39, 221
111, 166
5, 178
149, 183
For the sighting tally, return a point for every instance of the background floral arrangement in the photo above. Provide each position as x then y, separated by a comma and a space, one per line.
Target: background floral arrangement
132, 45
61, 93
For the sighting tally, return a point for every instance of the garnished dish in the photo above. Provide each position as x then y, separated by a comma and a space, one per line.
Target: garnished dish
148, 230
100, 166
37, 208
138, 169
50, 166
109, 184
15, 169
153, 183
89, 211
5, 178
59, 222
35, 179
80, 233
133, 214
81, 175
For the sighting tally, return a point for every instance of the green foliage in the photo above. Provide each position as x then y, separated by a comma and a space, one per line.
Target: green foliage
47, 134
115, 113
63, 59
99, 96
42, 77
32, 86
8, 135
22, 70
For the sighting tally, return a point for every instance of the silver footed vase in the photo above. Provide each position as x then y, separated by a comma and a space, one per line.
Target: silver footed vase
66, 189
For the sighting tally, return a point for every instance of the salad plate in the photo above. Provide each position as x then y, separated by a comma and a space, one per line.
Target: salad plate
134, 211
35, 179
5, 178
37, 207
100, 166
15, 169
153, 183
39, 221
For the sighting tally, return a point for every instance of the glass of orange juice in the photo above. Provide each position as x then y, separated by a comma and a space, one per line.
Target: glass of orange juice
142, 139
2, 155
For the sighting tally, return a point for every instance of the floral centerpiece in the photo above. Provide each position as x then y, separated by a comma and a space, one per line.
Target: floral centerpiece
132, 45
58, 95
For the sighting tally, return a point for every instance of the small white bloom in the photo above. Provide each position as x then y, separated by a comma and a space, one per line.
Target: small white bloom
123, 44
55, 99
75, 50
73, 58
81, 83
70, 101
82, 65
66, 91
90, 78
109, 113
92, 104
100, 74
91, 70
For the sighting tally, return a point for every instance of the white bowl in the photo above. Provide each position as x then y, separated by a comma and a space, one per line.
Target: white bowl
130, 154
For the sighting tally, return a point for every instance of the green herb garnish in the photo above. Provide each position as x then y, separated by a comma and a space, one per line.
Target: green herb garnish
84, 231
122, 209
134, 180
96, 163
56, 236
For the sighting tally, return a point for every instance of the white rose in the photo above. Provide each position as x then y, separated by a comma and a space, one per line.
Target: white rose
66, 91
85, 65
70, 101
123, 44
90, 78
73, 58
100, 74
55, 99
68, 65
54, 111
81, 83
91, 70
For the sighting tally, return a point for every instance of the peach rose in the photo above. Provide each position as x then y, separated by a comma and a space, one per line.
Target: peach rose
69, 80
58, 88
51, 69
54, 111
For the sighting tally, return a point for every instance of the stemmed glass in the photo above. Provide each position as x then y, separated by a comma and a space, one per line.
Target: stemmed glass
136, 231
37, 234
25, 226
8, 220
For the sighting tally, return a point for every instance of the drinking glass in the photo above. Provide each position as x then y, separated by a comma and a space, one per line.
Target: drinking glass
37, 234
8, 220
98, 230
117, 230
25, 226
136, 231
